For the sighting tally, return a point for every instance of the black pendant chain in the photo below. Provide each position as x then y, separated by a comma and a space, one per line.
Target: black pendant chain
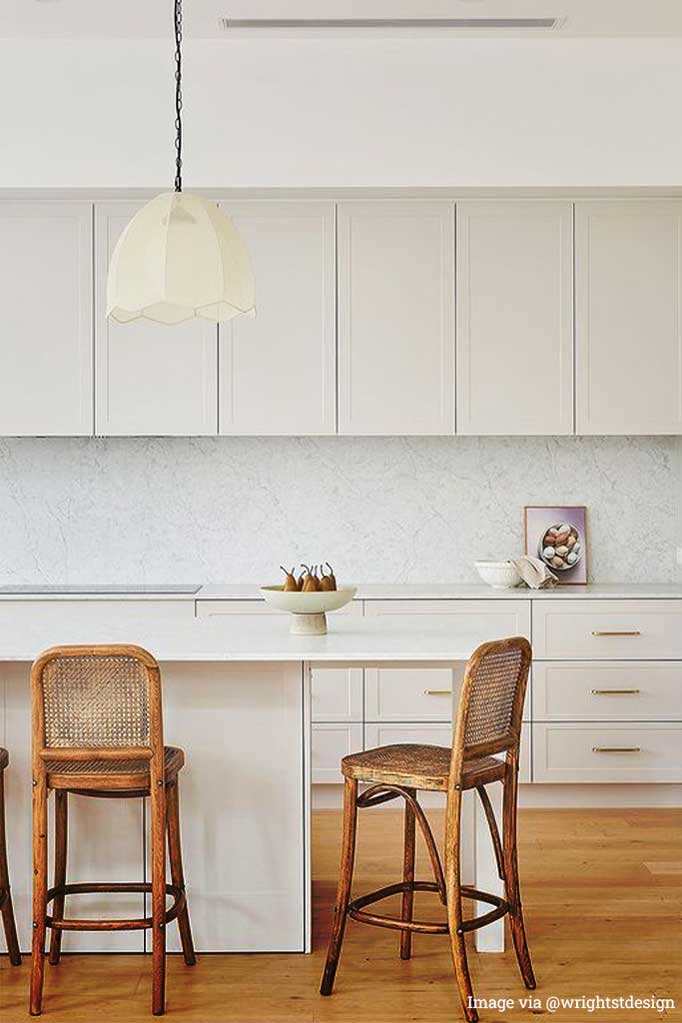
177, 19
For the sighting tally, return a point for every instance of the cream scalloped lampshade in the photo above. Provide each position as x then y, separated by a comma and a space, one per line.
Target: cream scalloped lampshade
180, 257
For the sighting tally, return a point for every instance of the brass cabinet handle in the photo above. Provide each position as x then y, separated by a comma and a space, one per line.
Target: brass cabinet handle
614, 692
438, 692
616, 749
623, 632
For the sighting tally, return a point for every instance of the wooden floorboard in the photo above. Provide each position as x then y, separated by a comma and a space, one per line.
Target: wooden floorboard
603, 896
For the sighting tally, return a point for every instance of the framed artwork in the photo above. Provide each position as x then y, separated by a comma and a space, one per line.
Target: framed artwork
557, 535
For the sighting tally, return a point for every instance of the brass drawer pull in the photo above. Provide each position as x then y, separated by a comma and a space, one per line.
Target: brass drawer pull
614, 692
624, 632
438, 692
616, 749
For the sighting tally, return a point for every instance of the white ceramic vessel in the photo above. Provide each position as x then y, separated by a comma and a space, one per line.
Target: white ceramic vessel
501, 575
308, 610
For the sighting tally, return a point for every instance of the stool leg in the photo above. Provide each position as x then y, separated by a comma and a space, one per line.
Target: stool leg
350, 818
408, 876
7, 911
454, 903
39, 893
511, 872
61, 811
158, 815
177, 873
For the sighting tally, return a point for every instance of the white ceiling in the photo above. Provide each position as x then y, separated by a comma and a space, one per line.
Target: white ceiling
152, 18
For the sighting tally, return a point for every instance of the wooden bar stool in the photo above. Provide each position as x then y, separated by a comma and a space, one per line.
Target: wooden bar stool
488, 722
98, 731
5, 894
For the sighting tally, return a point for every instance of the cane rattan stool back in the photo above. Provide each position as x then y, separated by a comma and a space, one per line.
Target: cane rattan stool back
491, 701
100, 701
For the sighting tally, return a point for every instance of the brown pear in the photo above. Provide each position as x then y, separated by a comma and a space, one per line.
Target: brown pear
331, 577
327, 581
290, 583
311, 583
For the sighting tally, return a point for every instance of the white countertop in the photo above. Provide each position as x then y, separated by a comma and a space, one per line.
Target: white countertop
228, 638
396, 591
469, 591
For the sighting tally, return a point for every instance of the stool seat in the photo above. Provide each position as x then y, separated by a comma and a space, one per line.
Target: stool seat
122, 775
4, 759
419, 766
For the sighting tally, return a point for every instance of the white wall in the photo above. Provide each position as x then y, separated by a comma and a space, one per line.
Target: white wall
380, 509
346, 112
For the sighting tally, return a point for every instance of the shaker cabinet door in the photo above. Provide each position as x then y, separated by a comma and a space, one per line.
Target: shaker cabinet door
396, 317
151, 378
46, 333
278, 369
515, 317
629, 316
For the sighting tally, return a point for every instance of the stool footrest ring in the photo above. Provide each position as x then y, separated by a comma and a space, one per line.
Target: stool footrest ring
356, 908
92, 888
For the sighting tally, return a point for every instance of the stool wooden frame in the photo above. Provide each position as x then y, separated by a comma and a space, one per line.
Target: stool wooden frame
98, 731
488, 722
6, 909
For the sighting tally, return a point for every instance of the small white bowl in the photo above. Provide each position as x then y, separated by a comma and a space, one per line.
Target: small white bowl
308, 610
501, 575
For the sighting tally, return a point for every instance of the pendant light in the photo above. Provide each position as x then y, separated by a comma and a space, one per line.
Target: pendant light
179, 257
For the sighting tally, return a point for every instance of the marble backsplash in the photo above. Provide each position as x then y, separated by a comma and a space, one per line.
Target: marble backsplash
380, 509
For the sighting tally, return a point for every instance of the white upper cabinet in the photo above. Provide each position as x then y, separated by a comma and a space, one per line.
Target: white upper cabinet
46, 333
150, 378
515, 317
628, 317
396, 344
278, 370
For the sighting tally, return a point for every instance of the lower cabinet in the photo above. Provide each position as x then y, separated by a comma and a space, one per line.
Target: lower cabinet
607, 752
607, 721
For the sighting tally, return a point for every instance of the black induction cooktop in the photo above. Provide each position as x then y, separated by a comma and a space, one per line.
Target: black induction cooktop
103, 588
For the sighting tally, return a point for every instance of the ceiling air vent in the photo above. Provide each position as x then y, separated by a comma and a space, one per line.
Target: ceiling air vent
316, 24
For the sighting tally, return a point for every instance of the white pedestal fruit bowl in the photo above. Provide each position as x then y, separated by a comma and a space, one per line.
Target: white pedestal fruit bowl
308, 610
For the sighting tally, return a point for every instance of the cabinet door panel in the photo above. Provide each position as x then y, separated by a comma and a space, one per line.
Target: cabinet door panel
278, 369
331, 742
514, 317
46, 296
396, 318
628, 317
151, 379
337, 694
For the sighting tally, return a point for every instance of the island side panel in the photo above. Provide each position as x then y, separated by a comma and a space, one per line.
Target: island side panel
242, 802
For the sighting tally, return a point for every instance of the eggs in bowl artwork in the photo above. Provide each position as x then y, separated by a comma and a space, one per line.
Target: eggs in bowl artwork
557, 535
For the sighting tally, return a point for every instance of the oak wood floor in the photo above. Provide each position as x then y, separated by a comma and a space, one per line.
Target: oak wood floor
603, 900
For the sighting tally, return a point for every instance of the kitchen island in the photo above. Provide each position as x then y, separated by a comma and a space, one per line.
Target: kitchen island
237, 698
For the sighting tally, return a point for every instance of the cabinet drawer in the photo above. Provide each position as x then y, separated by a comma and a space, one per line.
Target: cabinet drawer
338, 694
608, 752
331, 742
77, 616
492, 619
437, 735
411, 694
607, 629
599, 691
415, 694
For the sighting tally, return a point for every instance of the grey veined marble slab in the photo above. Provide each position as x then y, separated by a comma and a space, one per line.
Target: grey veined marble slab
380, 509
